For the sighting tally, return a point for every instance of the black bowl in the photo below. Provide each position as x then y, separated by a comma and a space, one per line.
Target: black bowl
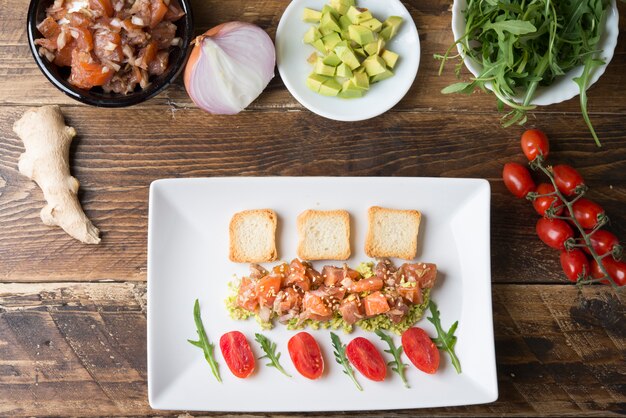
96, 96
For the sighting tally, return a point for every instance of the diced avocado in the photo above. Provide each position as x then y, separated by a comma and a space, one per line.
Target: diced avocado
361, 52
361, 34
331, 40
319, 45
357, 16
350, 91
361, 80
329, 23
331, 59
341, 6
312, 35
344, 23
374, 65
311, 16
330, 88
348, 57
382, 76
323, 69
373, 24
328, 9
371, 48
343, 71
315, 81
390, 27
391, 58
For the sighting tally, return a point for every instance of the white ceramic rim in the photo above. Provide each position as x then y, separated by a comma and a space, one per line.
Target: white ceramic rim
563, 88
375, 111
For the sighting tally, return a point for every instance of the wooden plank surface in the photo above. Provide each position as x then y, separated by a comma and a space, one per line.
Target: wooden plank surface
80, 349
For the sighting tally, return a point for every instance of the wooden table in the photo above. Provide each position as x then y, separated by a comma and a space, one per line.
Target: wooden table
72, 317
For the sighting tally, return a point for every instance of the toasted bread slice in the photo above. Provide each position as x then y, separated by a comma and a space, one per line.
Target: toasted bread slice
392, 233
253, 236
324, 235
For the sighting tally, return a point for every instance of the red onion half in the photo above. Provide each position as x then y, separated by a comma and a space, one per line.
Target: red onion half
229, 67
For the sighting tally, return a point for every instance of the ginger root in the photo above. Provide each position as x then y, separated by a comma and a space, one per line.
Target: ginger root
47, 142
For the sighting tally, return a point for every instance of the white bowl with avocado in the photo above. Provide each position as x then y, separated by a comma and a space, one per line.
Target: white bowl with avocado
334, 85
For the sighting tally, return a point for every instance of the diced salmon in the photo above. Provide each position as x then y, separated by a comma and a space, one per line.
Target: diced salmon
174, 11
314, 276
147, 55
86, 72
313, 307
79, 20
63, 57
398, 310
101, 7
159, 64
375, 304
332, 275
84, 38
366, 285
246, 296
164, 33
267, 288
287, 300
158, 10
410, 291
107, 46
297, 276
423, 273
351, 309
49, 28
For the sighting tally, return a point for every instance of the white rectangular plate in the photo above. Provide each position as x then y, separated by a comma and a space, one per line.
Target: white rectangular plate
188, 259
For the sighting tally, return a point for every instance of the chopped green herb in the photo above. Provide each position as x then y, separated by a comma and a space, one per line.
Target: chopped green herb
203, 342
396, 364
269, 348
340, 357
445, 340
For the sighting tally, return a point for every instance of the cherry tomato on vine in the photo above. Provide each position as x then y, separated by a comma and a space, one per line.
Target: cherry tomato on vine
543, 203
420, 349
567, 179
616, 270
366, 358
587, 213
554, 232
603, 242
237, 353
306, 355
517, 179
535, 142
575, 264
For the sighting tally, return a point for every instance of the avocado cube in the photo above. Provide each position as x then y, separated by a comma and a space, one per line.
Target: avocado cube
312, 35
311, 16
343, 71
332, 11
341, 6
329, 24
350, 91
319, 45
361, 52
344, 23
331, 40
373, 24
391, 58
331, 59
361, 80
382, 76
315, 81
360, 34
390, 27
374, 65
357, 16
349, 58
323, 69
330, 88
371, 48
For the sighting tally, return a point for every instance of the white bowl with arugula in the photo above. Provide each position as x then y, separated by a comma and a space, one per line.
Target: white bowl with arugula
325, 88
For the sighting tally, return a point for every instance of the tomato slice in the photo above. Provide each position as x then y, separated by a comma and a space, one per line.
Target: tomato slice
306, 355
420, 349
237, 353
367, 359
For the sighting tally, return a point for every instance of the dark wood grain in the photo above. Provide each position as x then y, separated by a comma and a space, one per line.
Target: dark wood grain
79, 349
115, 164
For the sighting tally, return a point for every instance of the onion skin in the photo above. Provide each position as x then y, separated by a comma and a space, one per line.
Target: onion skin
192, 69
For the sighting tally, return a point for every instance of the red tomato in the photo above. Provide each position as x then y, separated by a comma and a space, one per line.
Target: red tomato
421, 350
534, 143
603, 242
306, 355
543, 203
554, 232
517, 179
567, 179
616, 269
587, 213
237, 353
575, 264
366, 359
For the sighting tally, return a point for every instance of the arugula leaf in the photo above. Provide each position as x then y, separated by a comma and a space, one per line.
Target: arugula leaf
396, 365
269, 348
516, 27
340, 357
203, 342
583, 82
445, 340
